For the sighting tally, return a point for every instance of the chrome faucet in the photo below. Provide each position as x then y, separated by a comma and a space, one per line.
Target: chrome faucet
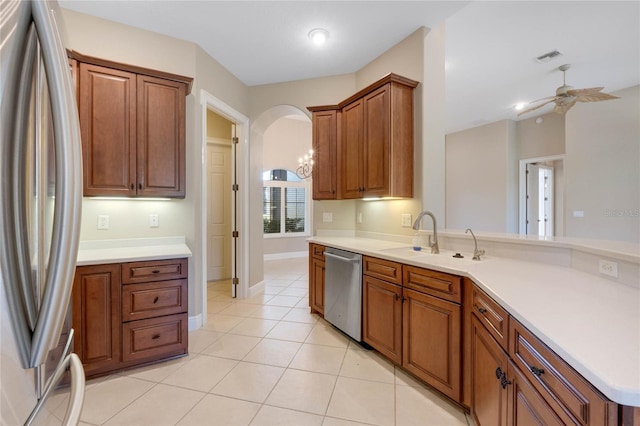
416, 225
476, 253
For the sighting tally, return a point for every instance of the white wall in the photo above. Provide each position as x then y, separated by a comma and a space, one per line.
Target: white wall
603, 168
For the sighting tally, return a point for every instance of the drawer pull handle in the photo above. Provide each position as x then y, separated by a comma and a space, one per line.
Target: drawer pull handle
537, 371
155, 300
500, 375
155, 271
155, 336
482, 310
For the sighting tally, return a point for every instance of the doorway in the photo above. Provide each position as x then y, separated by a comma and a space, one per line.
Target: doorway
239, 255
542, 196
220, 209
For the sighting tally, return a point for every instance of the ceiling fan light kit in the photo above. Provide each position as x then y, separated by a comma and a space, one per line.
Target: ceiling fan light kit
566, 96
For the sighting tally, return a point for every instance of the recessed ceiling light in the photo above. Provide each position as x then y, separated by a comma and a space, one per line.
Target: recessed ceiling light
318, 36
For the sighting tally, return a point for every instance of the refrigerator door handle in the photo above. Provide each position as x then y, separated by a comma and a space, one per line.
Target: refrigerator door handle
67, 210
74, 409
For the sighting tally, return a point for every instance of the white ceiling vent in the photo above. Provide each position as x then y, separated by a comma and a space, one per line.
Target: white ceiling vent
549, 56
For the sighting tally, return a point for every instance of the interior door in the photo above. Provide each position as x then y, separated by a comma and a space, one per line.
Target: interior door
219, 210
540, 200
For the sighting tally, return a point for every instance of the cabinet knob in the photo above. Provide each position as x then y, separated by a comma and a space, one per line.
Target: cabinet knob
155, 300
139, 186
132, 186
155, 336
155, 271
482, 310
537, 371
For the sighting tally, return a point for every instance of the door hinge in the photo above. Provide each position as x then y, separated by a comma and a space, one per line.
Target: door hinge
234, 139
235, 187
235, 281
235, 234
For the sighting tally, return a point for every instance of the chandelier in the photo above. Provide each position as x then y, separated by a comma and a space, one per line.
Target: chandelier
305, 165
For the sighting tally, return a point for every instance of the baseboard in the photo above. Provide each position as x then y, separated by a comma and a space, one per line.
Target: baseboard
256, 289
195, 322
287, 255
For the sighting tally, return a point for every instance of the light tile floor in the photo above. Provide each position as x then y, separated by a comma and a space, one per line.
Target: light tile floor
268, 361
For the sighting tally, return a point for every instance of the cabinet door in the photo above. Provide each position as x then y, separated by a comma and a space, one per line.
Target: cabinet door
107, 108
526, 406
376, 143
96, 317
489, 400
316, 286
325, 155
161, 137
382, 317
431, 341
350, 159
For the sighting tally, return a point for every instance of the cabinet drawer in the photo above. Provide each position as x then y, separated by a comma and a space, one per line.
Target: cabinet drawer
154, 270
494, 318
317, 251
571, 396
155, 337
438, 284
149, 300
382, 269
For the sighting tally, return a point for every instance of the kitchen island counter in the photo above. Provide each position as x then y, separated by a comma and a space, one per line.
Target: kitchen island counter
593, 323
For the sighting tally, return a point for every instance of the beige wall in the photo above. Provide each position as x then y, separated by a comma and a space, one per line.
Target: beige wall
218, 126
284, 142
540, 139
407, 59
603, 168
480, 168
129, 218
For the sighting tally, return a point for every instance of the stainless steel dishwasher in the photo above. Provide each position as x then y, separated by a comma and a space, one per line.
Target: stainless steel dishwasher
343, 291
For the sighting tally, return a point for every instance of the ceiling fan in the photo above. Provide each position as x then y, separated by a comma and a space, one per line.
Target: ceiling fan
566, 96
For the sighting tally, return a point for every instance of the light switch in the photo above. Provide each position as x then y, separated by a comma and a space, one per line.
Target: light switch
327, 217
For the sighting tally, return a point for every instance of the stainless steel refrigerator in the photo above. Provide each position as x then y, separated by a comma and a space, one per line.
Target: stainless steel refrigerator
40, 208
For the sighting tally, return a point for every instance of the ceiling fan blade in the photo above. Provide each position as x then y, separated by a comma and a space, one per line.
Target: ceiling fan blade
580, 92
553, 99
596, 97
563, 107
543, 99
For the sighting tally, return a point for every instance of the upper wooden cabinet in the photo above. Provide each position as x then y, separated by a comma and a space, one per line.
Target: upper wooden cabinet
325, 139
374, 148
132, 122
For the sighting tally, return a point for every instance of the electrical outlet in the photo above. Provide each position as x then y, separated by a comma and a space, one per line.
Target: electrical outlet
327, 217
103, 221
154, 221
608, 267
406, 220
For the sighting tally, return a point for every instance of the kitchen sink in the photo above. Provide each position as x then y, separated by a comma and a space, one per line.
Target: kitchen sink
408, 252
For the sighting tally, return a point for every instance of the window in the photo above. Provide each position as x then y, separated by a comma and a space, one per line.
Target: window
284, 204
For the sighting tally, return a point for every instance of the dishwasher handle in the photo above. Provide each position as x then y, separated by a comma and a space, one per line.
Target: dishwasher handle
342, 258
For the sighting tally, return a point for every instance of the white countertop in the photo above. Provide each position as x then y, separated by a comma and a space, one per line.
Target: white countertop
591, 322
96, 252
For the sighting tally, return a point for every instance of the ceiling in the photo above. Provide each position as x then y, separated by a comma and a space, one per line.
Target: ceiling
490, 45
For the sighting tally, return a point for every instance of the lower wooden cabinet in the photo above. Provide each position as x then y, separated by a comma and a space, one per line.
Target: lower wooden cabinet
382, 317
489, 399
129, 314
316, 278
432, 341
96, 317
